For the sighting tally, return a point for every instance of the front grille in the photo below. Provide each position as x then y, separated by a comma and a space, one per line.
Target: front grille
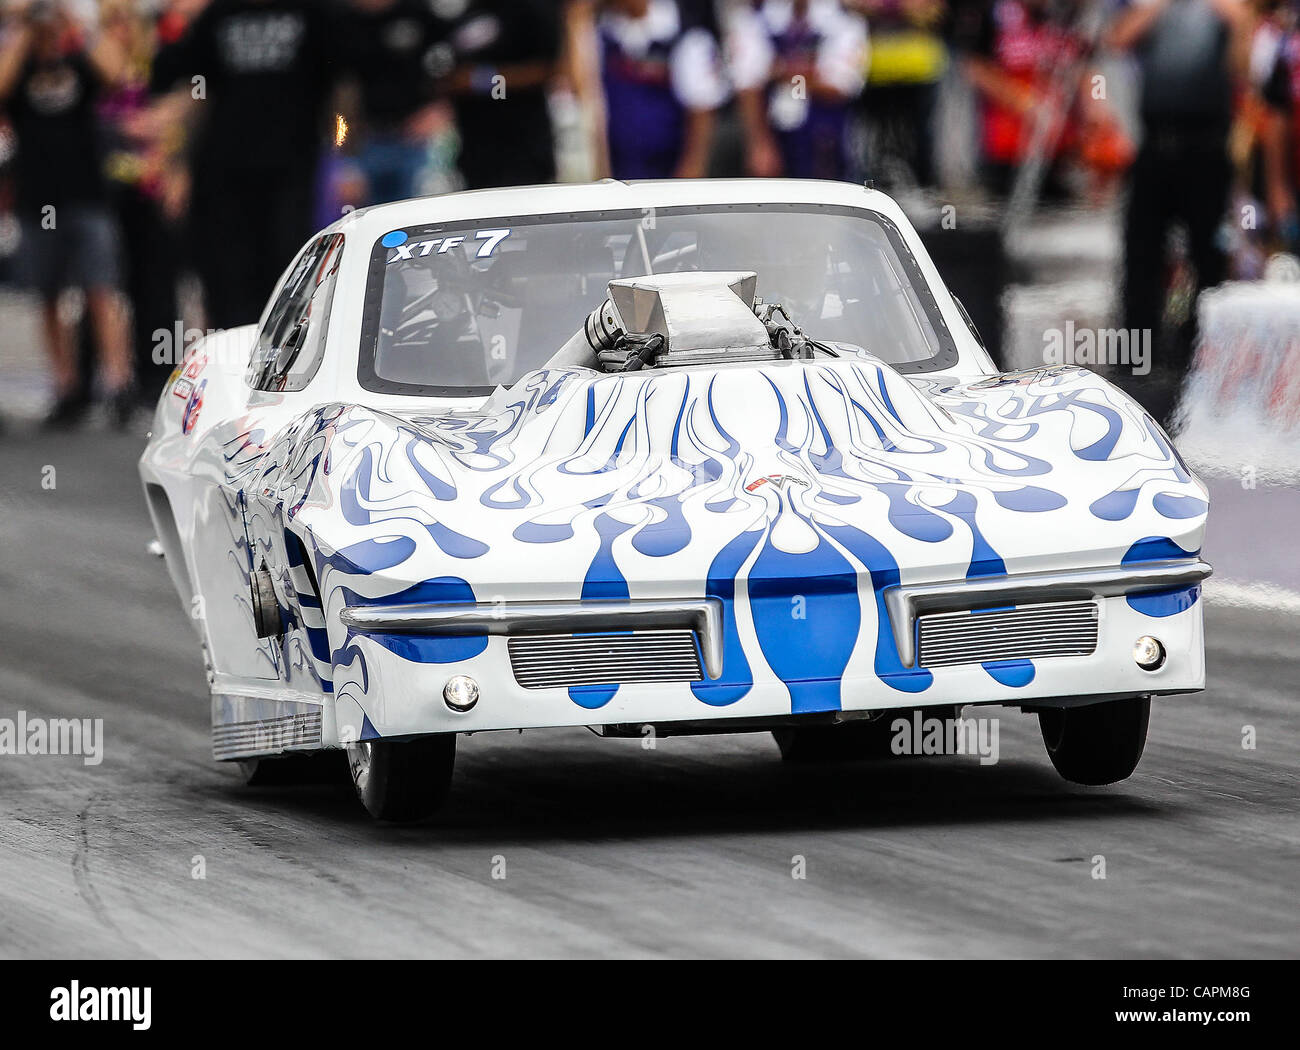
1024, 633
547, 660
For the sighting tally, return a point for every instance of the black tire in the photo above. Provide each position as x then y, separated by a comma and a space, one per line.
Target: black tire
854, 741
403, 781
314, 767
1097, 744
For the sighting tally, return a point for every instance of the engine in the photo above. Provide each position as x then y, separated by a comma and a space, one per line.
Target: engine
678, 319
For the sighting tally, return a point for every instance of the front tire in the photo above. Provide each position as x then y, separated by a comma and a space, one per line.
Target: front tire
403, 781
1097, 744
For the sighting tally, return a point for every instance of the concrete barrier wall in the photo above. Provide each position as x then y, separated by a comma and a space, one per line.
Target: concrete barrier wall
1240, 415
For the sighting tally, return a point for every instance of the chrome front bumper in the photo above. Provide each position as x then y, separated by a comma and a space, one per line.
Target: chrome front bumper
906, 603
703, 615
404, 697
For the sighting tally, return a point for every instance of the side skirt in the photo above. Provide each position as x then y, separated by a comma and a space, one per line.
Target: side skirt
245, 726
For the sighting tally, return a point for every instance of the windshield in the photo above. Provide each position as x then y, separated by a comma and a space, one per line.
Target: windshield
460, 308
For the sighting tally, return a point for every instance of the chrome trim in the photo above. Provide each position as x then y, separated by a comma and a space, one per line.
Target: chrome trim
703, 615
905, 603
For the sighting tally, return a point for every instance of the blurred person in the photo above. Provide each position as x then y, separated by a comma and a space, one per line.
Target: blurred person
164, 133
173, 19
908, 60
137, 177
662, 80
257, 77
1246, 243
1032, 66
1279, 131
1031, 63
797, 66
1020, 46
50, 81
390, 48
580, 82
503, 55
1191, 55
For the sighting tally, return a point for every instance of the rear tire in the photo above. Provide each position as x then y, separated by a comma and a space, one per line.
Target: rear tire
1098, 744
854, 741
403, 781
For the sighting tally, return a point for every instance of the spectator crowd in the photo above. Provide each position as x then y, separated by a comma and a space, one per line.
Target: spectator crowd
142, 140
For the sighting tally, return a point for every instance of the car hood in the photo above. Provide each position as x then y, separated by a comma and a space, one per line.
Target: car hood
575, 483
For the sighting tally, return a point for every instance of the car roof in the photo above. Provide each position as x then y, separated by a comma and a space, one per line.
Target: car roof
606, 195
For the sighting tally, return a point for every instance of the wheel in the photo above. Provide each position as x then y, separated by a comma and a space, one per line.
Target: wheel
266, 607
311, 767
1097, 744
403, 781
848, 741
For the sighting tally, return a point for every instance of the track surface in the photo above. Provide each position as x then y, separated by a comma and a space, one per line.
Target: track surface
608, 849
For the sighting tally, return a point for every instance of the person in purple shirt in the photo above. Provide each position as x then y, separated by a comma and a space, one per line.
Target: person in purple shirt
797, 66
661, 72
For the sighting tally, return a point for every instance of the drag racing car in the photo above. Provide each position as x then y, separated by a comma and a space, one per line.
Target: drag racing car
662, 457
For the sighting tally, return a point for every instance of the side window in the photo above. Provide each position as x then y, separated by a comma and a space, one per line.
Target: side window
291, 343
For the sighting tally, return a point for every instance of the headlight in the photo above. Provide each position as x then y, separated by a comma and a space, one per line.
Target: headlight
460, 693
1148, 653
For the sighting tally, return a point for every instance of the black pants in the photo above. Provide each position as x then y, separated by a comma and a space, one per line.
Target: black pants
247, 226
152, 258
1179, 176
901, 117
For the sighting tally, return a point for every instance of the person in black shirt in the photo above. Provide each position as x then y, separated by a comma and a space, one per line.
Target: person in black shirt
392, 54
505, 54
1189, 53
260, 74
49, 82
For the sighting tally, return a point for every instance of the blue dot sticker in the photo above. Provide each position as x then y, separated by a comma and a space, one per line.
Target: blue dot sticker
392, 240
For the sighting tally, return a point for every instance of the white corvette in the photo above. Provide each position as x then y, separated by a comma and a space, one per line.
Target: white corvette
698, 456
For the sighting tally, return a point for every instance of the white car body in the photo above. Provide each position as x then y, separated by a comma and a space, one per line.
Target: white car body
798, 517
